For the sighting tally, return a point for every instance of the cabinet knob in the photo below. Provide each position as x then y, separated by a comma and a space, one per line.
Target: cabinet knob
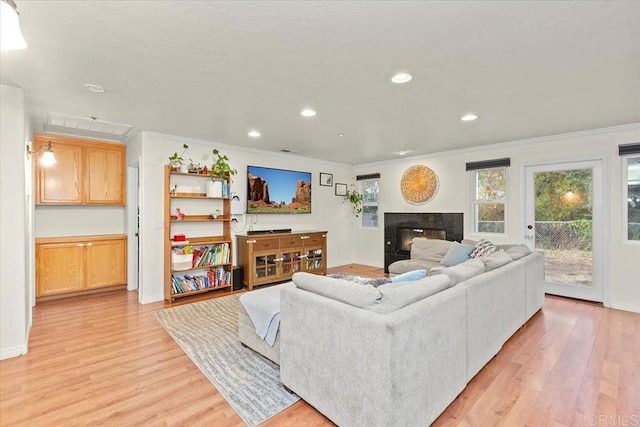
251, 241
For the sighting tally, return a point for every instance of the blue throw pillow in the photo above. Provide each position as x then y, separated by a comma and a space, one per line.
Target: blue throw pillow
409, 275
457, 254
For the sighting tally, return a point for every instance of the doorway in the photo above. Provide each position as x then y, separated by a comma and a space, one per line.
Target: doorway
133, 227
564, 219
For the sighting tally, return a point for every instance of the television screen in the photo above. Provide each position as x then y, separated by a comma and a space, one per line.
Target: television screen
278, 191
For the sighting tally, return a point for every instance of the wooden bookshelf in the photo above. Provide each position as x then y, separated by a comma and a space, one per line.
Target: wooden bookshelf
218, 274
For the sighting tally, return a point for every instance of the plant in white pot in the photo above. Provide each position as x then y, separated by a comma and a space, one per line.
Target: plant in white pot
175, 160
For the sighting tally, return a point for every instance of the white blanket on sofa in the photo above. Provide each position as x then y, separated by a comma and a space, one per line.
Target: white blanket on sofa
263, 308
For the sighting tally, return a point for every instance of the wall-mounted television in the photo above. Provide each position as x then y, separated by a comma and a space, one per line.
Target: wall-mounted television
278, 191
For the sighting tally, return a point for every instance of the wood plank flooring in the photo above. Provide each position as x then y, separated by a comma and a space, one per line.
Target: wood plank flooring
105, 360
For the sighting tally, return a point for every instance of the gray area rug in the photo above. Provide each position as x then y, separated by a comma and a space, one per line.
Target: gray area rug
208, 332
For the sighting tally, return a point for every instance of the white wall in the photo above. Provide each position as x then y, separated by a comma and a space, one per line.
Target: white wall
328, 212
454, 195
57, 221
13, 280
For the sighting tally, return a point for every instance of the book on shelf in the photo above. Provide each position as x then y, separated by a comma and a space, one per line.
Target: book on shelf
213, 279
211, 255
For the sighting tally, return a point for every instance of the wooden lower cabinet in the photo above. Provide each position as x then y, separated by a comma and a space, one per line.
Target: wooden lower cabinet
76, 264
271, 258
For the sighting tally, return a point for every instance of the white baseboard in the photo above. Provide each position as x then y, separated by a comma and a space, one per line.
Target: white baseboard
625, 307
25, 348
153, 298
7, 353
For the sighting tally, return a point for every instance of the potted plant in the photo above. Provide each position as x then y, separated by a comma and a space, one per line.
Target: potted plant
355, 199
175, 160
194, 167
221, 167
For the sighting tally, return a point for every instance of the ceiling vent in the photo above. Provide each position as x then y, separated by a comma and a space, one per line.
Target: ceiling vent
86, 126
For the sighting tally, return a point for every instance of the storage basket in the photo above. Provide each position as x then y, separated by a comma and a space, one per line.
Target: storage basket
181, 262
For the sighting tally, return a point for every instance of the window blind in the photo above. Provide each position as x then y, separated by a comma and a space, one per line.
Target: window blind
488, 164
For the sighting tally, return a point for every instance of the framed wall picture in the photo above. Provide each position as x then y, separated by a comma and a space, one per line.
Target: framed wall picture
326, 179
341, 189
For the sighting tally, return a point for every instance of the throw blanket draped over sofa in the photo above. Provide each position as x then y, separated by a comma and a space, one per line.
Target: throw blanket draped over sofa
399, 354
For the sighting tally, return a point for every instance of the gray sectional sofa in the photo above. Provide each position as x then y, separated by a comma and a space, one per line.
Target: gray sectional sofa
399, 354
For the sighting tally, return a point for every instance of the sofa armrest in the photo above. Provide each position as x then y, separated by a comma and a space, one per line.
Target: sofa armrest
362, 368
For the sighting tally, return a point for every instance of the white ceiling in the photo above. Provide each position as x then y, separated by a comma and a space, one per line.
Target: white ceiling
215, 70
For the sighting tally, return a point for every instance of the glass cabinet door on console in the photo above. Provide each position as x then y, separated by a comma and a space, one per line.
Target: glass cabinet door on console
314, 245
290, 263
314, 259
266, 267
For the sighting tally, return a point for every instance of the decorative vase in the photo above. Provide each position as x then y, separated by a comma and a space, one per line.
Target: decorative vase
184, 168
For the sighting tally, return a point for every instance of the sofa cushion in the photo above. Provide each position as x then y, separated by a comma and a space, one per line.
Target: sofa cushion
429, 249
401, 294
457, 254
483, 248
518, 251
363, 296
461, 272
496, 260
410, 275
405, 265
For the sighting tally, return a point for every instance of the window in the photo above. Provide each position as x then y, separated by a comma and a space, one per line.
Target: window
632, 198
489, 201
370, 189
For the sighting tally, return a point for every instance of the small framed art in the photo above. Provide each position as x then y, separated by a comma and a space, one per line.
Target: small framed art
341, 189
326, 179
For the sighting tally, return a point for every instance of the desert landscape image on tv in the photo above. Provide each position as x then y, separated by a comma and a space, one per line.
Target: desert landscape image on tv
278, 191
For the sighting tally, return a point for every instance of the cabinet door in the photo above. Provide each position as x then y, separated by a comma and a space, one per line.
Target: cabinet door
291, 262
314, 259
61, 182
265, 266
106, 263
104, 176
59, 268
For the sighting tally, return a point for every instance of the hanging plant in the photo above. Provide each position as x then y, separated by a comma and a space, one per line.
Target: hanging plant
355, 199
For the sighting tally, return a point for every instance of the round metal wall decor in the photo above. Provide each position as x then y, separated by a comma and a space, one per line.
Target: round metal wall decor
419, 184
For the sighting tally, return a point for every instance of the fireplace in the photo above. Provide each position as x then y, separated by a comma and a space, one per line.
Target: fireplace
401, 228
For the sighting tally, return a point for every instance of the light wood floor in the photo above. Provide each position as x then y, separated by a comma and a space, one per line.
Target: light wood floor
105, 360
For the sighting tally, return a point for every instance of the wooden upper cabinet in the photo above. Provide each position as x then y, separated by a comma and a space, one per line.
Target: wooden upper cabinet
60, 183
86, 172
104, 175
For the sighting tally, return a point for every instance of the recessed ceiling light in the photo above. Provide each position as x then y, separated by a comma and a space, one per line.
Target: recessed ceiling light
254, 134
401, 78
341, 135
402, 152
308, 112
468, 117
93, 88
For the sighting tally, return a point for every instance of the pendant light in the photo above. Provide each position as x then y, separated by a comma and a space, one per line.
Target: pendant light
10, 34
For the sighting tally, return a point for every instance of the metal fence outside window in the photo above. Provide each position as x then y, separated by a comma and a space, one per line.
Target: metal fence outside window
564, 235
